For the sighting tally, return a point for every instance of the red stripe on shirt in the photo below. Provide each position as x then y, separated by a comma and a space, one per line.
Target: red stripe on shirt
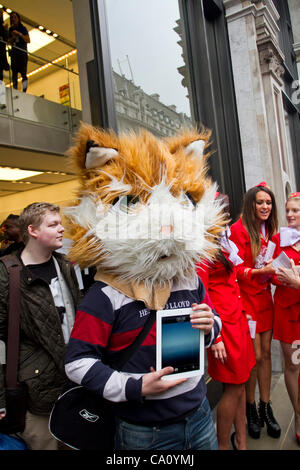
91, 329
120, 341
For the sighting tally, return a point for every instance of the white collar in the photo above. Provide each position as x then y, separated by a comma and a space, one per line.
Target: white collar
230, 247
289, 236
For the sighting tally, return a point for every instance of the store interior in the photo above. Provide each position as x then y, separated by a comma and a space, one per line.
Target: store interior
52, 99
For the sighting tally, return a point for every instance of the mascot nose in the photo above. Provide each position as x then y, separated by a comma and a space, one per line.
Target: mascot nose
166, 229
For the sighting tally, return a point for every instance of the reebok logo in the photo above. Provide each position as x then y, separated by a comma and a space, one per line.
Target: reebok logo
88, 416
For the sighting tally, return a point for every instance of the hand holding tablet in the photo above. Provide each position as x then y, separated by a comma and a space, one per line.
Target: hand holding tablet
202, 317
153, 385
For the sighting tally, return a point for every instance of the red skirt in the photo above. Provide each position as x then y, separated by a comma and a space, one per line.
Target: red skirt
260, 307
240, 354
287, 323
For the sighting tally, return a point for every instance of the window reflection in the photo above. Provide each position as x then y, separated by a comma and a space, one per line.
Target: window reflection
149, 65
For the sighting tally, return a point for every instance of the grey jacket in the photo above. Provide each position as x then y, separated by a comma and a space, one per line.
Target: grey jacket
42, 346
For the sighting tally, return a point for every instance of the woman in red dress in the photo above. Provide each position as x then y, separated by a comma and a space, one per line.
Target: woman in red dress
298, 406
233, 348
251, 233
287, 301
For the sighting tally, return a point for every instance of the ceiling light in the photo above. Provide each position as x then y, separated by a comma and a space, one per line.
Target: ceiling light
48, 31
38, 39
55, 35
15, 174
41, 28
8, 10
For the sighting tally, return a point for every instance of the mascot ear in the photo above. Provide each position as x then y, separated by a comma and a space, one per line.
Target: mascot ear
196, 148
96, 156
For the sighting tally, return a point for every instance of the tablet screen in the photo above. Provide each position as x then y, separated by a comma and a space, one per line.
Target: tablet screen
179, 344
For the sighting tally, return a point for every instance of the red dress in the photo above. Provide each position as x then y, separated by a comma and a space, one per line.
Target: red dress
286, 301
256, 291
223, 289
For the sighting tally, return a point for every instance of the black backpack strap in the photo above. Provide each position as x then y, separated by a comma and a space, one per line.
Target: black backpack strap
13, 266
128, 352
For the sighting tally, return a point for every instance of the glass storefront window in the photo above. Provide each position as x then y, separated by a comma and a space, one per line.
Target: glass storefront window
148, 52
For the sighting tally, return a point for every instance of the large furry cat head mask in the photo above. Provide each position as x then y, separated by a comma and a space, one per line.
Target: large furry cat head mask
146, 209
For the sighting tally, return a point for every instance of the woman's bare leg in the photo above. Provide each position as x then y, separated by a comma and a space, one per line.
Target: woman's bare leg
226, 413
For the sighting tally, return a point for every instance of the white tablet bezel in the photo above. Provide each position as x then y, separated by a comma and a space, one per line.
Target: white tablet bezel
160, 314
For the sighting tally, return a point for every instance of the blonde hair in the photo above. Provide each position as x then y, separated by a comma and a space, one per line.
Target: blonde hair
33, 215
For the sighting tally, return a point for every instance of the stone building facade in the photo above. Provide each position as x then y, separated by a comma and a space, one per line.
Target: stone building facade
259, 71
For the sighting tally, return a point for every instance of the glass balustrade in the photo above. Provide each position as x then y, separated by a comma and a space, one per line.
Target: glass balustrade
53, 94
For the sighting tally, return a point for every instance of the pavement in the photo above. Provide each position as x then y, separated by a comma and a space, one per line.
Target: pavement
282, 410
284, 414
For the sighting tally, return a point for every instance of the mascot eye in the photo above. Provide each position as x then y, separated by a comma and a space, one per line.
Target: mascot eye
125, 203
191, 199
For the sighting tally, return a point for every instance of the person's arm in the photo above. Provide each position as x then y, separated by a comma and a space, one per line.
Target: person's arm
218, 349
289, 277
241, 239
23, 36
268, 269
204, 316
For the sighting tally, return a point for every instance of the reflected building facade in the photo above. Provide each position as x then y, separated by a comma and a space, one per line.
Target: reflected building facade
136, 109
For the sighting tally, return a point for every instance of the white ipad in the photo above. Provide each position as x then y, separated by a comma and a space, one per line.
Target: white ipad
178, 344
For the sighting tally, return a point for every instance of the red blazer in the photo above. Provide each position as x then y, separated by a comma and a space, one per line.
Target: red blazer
240, 237
223, 289
285, 296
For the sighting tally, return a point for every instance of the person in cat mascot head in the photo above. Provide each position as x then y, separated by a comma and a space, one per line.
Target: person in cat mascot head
145, 214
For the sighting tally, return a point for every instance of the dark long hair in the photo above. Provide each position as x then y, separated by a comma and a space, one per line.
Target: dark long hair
250, 221
219, 256
222, 259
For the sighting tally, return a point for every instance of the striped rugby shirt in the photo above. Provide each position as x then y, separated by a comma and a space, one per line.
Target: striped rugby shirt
108, 321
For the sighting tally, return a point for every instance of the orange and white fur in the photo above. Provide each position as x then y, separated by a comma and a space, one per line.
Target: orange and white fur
146, 210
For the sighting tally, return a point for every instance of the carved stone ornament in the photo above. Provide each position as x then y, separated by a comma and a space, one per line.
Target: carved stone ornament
271, 61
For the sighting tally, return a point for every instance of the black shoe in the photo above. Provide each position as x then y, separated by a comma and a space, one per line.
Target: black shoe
253, 422
266, 416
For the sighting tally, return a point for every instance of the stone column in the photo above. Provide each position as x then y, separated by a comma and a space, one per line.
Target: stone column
294, 7
249, 91
271, 65
258, 68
